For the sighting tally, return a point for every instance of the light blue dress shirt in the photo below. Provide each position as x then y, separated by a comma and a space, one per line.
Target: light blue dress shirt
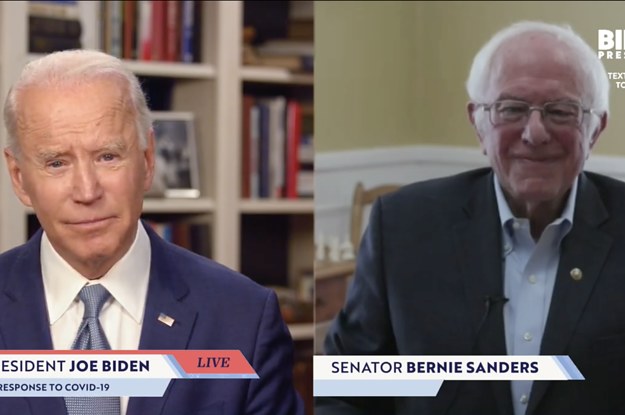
530, 269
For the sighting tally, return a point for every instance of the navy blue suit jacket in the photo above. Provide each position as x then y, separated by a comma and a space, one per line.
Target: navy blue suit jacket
432, 254
213, 307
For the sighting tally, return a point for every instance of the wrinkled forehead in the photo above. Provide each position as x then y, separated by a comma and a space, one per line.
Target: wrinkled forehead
533, 56
47, 109
75, 99
95, 88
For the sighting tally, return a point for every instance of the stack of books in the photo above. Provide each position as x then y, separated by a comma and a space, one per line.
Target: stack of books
277, 148
152, 30
53, 26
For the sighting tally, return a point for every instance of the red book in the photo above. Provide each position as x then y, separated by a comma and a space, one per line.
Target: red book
144, 32
130, 30
172, 30
159, 8
293, 135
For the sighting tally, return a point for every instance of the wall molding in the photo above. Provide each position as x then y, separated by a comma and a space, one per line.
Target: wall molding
382, 156
342, 160
336, 174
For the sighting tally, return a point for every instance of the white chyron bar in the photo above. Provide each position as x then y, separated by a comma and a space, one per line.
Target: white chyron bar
423, 375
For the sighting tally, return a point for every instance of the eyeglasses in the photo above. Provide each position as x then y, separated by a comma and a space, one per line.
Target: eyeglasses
563, 113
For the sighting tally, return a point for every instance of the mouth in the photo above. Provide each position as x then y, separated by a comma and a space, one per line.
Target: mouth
538, 159
91, 222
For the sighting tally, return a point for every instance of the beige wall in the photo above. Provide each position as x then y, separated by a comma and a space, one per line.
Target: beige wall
392, 73
365, 84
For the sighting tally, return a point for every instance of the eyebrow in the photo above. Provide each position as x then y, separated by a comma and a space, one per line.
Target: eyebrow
43, 155
116, 146
553, 101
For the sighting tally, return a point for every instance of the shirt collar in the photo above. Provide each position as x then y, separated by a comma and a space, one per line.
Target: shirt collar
505, 214
127, 280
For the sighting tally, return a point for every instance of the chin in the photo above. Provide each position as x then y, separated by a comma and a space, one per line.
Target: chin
539, 194
93, 252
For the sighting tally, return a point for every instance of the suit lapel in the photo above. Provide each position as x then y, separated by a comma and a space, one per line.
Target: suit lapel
585, 247
166, 295
24, 323
478, 244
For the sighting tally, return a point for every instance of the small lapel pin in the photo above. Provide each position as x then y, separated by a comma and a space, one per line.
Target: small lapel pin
576, 274
166, 320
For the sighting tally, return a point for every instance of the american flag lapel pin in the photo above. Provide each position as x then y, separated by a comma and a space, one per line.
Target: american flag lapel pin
166, 320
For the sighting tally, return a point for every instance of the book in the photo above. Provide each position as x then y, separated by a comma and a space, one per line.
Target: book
144, 31
49, 44
246, 143
293, 134
306, 149
192, 236
105, 26
57, 9
286, 47
291, 63
305, 183
157, 29
263, 150
113, 28
54, 26
190, 31
187, 46
200, 234
181, 234
172, 31
254, 151
198, 24
129, 24
274, 146
277, 124
163, 229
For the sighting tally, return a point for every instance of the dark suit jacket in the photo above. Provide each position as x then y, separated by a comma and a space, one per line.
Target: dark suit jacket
213, 308
430, 257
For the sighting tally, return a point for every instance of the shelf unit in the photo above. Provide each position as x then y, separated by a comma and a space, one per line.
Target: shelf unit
212, 90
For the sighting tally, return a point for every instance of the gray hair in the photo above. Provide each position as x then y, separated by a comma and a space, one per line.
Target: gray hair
594, 79
71, 67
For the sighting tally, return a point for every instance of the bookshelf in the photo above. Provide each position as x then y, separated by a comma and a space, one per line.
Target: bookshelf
238, 228
212, 90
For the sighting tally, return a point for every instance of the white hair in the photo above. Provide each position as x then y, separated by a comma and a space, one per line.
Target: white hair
591, 72
72, 67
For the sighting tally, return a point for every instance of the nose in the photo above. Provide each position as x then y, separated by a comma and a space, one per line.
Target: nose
535, 132
86, 187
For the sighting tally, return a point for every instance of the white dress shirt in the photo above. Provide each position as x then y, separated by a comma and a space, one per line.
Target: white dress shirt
530, 269
122, 314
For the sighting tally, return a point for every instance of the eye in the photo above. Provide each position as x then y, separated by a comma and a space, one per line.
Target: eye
108, 157
511, 108
562, 111
55, 164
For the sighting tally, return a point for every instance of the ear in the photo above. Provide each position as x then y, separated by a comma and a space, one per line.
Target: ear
17, 179
148, 157
471, 108
594, 137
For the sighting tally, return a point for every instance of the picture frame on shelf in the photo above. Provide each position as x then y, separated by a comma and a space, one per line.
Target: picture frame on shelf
176, 172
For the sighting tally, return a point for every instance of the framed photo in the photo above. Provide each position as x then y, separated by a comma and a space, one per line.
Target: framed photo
176, 171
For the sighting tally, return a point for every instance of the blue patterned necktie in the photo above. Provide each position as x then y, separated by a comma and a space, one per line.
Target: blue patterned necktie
91, 337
